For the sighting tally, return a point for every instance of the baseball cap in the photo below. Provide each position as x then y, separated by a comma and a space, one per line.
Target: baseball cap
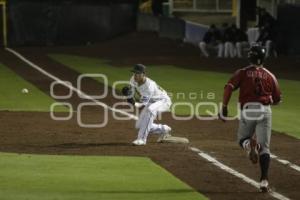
139, 69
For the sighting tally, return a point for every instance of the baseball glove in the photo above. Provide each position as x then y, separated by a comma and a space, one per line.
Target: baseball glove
127, 92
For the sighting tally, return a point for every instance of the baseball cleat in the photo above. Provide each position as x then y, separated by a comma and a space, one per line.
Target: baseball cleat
165, 134
139, 142
264, 186
253, 154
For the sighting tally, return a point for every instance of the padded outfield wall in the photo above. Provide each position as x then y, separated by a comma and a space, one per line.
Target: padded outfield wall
60, 22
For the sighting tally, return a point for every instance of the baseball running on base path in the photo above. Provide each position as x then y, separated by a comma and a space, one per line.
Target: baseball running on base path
258, 90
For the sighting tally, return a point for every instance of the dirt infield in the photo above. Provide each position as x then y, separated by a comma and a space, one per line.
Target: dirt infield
36, 132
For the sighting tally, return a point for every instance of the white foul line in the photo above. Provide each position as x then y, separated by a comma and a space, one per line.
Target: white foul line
200, 153
235, 173
286, 162
69, 86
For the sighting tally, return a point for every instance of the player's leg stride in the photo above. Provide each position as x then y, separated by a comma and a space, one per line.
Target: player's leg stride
255, 153
264, 162
258, 91
254, 149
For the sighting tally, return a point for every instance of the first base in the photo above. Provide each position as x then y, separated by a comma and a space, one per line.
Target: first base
176, 140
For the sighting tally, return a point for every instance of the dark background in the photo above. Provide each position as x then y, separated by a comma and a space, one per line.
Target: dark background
1, 25
48, 22
289, 29
77, 22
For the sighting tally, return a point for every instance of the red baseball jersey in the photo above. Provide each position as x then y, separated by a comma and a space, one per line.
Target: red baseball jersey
256, 84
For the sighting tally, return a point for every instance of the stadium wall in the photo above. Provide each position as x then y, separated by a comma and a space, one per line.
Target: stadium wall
69, 22
172, 28
147, 22
194, 33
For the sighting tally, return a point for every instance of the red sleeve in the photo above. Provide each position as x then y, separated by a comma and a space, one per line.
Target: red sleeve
227, 94
235, 81
276, 93
233, 84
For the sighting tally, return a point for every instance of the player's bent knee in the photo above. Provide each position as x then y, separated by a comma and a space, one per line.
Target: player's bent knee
264, 150
151, 111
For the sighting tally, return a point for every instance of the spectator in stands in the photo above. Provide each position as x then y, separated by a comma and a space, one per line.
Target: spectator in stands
265, 18
267, 39
241, 42
223, 32
212, 40
229, 38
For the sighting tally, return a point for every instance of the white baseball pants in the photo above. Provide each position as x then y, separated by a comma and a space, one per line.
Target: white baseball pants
145, 123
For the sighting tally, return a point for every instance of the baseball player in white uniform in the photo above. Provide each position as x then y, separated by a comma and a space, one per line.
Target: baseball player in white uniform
153, 100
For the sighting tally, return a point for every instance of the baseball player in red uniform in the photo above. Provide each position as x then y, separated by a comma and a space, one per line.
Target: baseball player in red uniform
258, 90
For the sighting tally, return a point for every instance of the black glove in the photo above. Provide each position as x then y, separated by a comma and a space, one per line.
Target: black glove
224, 113
127, 92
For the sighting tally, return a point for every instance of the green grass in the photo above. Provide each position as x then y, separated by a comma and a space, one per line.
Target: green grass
43, 177
286, 115
205, 86
12, 98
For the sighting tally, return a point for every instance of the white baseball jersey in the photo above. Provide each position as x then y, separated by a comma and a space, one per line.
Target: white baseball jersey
150, 92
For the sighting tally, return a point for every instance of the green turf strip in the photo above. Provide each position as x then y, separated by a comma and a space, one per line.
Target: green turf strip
12, 98
202, 86
88, 177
